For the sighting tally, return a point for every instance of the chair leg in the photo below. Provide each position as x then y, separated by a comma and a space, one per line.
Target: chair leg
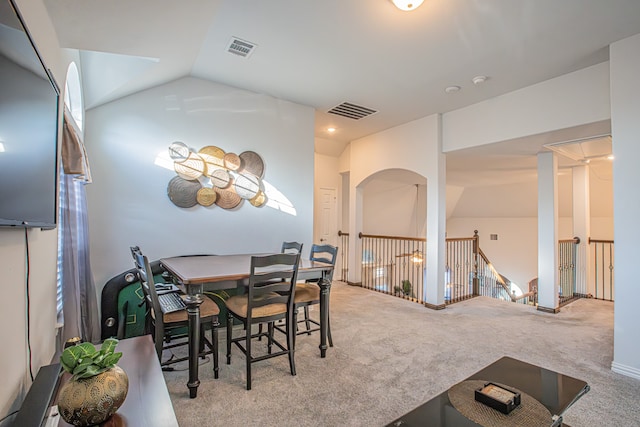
295, 327
248, 355
270, 337
291, 337
229, 331
159, 340
214, 343
306, 319
329, 330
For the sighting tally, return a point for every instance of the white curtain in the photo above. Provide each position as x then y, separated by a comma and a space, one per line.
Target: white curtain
80, 306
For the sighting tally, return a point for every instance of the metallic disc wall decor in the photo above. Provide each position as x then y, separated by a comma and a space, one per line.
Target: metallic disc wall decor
213, 176
183, 192
252, 163
232, 161
227, 199
220, 178
247, 185
259, 199
213, 157
206, 196
191, 168
179, 151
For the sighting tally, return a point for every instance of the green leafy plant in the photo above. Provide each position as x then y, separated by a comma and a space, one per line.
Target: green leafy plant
84, 361
405, 289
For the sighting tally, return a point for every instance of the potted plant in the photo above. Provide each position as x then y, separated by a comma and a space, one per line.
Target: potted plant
404, 290
97, 387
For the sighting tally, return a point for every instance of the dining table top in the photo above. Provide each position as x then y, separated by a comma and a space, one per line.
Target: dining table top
200, 269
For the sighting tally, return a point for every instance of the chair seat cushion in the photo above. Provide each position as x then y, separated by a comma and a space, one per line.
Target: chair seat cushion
307, 292
238, 305
208, 308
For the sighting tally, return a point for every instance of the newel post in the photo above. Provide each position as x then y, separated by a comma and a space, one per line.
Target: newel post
476, 253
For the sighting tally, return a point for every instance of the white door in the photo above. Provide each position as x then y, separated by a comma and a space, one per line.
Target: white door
325, 224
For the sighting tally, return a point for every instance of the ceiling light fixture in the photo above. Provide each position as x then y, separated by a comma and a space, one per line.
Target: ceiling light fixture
452, 89
479, 80
331, 130
407, 5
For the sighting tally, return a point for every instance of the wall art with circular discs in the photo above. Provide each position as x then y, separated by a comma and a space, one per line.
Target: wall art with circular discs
212, 176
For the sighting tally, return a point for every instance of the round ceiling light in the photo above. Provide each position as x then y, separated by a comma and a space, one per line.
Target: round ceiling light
407, 5
452, 89
479, 80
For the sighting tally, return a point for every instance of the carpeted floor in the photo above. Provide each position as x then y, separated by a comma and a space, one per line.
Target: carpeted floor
391, 355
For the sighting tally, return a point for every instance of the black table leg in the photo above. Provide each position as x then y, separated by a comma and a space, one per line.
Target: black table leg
325, 287
193, 312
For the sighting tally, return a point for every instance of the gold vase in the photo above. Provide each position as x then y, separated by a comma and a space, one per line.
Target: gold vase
89, 401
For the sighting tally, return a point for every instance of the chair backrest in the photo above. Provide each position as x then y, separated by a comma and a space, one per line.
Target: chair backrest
324, 253
291, 248
272, 280
145, 274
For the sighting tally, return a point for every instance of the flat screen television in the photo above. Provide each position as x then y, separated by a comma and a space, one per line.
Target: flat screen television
28, 128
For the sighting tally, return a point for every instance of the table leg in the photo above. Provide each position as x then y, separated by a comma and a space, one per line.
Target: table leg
193, 313
325, 287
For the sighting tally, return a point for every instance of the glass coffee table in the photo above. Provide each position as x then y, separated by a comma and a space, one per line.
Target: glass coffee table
546, 395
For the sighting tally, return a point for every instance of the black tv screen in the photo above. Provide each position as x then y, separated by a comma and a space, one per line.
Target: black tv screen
28, 128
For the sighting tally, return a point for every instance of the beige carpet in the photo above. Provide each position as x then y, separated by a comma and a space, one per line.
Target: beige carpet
391, 355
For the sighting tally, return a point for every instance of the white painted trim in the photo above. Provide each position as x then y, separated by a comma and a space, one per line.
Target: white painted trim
627, 371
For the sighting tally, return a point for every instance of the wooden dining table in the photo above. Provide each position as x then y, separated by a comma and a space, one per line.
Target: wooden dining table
217, 272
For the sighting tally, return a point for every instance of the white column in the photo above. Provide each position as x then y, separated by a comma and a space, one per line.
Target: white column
547, 232
625, 127
582, 225
436, 230
355, 227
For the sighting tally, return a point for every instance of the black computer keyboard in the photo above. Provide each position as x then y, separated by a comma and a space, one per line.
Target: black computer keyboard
171, 302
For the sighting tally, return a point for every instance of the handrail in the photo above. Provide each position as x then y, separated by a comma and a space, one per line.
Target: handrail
499, 278
374, 236
342, 233
575, 240
599, 241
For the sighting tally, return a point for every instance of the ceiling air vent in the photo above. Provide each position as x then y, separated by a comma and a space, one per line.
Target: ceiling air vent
240, 47
351, 111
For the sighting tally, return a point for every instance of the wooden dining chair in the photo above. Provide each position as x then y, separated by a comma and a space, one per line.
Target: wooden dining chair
170, 328
308, 293
291, 247
269, 298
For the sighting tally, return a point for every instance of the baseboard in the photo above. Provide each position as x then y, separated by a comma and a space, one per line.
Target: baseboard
354, 283
435, 306
627, 371
549, 310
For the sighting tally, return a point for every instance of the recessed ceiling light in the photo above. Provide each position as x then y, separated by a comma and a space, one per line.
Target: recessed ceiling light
452, 89
479, 80
331, 130
407, 5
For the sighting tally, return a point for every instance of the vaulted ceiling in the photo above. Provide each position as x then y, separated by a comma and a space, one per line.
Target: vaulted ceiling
325, 53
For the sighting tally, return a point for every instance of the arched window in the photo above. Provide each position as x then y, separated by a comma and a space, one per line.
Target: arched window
73, 95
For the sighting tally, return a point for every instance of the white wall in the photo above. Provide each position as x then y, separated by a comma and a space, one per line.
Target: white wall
625, 111
128, 202
577, 98
393, 208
